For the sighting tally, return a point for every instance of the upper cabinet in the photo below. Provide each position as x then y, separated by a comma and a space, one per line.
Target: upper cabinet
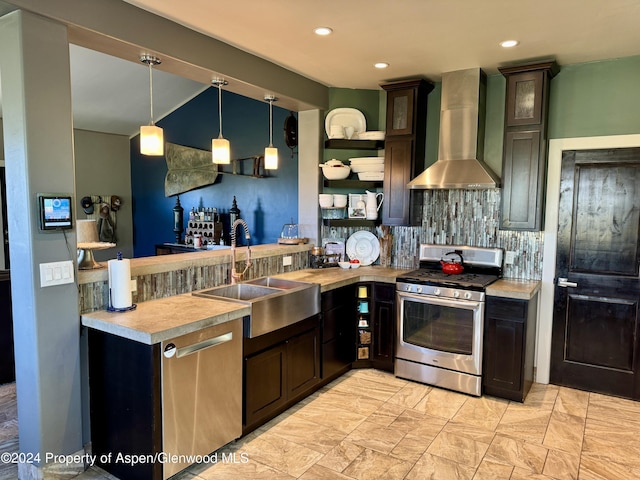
406, 126
524, 161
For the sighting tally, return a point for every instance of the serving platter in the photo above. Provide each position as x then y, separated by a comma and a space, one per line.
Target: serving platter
346, 117
363, 246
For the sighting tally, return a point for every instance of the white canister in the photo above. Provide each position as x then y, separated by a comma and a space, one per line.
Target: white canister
197, 240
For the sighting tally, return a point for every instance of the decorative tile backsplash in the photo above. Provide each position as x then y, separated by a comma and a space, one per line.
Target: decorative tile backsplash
95, 295
463, 217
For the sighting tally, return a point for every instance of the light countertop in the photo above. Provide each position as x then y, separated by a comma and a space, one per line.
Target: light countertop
159, 320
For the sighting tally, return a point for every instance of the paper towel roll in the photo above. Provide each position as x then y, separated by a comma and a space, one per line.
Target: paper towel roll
120, 283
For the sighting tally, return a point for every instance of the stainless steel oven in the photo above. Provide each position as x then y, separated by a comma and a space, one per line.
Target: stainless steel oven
441, 316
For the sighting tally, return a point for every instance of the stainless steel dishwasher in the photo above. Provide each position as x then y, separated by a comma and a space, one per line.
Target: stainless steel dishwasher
201, 392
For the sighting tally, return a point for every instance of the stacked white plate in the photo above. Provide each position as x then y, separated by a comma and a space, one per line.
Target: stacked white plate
368, 168
371, 135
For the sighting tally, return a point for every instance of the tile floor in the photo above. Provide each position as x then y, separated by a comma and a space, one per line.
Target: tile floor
370, 425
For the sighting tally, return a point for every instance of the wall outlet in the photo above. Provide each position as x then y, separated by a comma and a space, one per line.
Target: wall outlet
509, 258
56, 273
286, 261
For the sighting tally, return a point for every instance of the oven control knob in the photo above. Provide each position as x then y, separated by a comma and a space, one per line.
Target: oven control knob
419, 289
436, 291
456, 294
467, 295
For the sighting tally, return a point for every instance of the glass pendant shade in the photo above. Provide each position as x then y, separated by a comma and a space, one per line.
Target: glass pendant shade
220, 150
270, 152
271, 158
151, 137
220, 147
151, 140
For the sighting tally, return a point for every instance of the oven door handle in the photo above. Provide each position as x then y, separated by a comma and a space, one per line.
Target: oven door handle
446, 302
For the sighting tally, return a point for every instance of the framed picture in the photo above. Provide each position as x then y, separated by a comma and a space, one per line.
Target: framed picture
355, 212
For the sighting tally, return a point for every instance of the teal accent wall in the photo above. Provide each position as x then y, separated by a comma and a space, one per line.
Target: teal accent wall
595, 99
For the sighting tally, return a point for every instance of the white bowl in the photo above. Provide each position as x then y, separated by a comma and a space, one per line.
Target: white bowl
366, 160
371, 176
325, 200
336, 172
355, 265
368, 168
340, 200
345, 265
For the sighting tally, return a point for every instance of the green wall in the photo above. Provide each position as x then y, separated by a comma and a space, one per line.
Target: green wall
587, 99
595, 99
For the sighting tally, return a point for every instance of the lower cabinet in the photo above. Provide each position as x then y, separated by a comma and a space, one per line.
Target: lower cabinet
280, 368
509, 347
338, 333
7, 362
383, 324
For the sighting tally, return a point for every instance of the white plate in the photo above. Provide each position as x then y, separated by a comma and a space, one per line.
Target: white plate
371, 135
364, 246
347, 117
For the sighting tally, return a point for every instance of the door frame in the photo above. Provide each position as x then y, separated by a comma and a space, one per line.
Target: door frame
545, 308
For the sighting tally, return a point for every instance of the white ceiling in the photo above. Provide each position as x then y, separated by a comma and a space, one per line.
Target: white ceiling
416, 37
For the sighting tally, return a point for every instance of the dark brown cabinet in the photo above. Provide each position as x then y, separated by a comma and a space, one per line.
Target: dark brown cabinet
7, 362
383, 324
524, 162
509, 347
337, 332
406, 124
280, 368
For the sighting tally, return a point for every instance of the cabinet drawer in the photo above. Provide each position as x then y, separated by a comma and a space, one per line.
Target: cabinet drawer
507, 309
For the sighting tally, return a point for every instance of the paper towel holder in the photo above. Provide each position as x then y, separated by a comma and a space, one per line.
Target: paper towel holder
111, 308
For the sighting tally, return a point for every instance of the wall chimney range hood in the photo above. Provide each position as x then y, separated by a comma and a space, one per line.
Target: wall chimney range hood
461, 141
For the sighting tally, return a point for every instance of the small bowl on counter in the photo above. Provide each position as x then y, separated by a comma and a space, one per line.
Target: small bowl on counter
345, 265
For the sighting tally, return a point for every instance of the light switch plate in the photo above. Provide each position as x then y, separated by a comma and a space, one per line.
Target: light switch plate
509, 257
286, 261
56, 273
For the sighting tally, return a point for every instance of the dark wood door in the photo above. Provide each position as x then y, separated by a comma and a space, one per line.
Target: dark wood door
5, 222
398, 171
303, 363
383, 323
595, 342
265, 388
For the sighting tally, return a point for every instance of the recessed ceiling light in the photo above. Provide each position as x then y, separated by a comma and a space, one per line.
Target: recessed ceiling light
381, 65
323, 31
509, 43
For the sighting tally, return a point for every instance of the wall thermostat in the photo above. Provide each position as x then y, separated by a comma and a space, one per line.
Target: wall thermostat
55, 211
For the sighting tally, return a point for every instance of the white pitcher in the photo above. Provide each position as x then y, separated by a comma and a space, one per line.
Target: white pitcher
373, 205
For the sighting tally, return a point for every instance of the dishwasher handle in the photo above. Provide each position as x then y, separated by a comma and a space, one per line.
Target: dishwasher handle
171, 350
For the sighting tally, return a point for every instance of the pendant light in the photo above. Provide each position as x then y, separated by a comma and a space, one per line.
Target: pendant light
151, 137
270, 152
220, 148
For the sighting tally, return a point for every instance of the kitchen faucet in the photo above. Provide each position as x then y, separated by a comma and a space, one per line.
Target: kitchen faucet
235, 276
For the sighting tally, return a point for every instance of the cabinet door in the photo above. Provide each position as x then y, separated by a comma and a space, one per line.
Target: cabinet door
524, 101
265, 383
398, 168
400, 111
504, 348
303, 363
338, 331
384, 326
522, 174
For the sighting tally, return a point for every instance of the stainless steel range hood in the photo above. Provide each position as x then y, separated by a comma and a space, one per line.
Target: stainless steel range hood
461, 147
